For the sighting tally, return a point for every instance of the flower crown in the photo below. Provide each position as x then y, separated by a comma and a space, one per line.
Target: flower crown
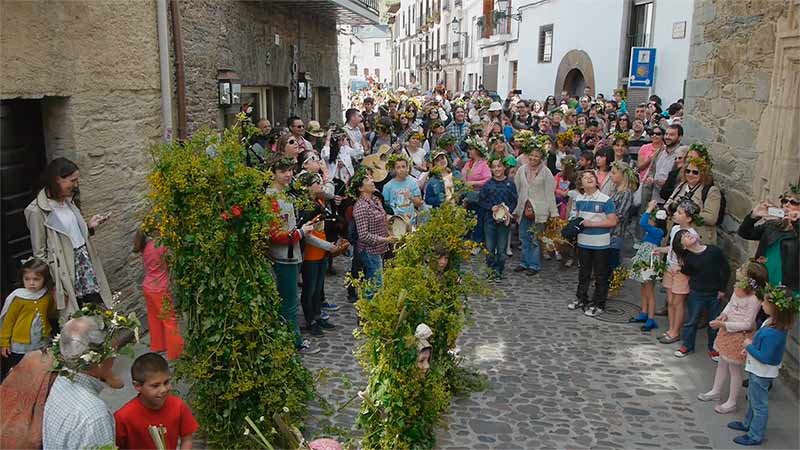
621, 135
565, 138
111, 324
476, 143
701, 163
502, 160
446, 141
702, 151
356, 181
782, 298
528, 142
394, 158
627, 172
420, 136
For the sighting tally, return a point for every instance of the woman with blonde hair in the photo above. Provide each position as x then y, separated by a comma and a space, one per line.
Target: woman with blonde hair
698, 186
625, 184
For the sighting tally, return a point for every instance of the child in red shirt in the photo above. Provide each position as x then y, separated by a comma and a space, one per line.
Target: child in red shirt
155, 405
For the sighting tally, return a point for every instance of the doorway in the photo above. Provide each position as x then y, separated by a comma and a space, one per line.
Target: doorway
490, 72
22, 159
574, 83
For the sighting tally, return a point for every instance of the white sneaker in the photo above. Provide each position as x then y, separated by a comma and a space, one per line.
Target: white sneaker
509, 252
593, 311
558, 256
307, 349
574, 305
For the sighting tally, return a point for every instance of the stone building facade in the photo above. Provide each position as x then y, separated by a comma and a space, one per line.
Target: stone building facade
743, 102
81, 79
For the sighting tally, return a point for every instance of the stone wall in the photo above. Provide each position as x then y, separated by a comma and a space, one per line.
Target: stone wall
94, 64
240, 36
728, 108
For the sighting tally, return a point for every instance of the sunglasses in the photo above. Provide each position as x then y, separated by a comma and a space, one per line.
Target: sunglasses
291, 142
657, 133
300, 126
693, 171
792, 201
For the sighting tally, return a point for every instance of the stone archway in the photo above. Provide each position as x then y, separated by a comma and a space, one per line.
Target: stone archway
574, 63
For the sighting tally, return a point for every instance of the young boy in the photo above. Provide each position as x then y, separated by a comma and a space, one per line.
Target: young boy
154, 405
402, 193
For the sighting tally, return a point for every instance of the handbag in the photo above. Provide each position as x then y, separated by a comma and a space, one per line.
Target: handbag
528, 211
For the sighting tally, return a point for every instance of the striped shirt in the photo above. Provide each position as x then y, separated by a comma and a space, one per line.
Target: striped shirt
594, 207
75, 417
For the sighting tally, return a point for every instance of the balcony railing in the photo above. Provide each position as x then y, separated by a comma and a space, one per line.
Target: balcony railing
500, 26
371, 4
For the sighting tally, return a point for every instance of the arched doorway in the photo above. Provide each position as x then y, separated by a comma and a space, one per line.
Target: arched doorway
574, 82
575, 72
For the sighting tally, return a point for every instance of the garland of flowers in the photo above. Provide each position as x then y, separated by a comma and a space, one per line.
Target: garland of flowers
528, 142
212, 214
423, 284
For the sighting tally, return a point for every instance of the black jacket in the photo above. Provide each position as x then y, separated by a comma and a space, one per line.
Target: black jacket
766, 234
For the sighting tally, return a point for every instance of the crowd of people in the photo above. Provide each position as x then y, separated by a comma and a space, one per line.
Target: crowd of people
580, 181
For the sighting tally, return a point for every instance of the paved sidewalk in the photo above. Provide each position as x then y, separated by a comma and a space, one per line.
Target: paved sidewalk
558, 379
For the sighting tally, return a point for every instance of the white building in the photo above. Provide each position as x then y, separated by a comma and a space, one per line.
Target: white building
370, 52
575, 43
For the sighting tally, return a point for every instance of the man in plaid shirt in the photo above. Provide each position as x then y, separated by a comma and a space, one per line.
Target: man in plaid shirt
459, 127
372, 230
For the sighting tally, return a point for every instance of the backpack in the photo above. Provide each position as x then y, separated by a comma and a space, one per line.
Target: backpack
722, 203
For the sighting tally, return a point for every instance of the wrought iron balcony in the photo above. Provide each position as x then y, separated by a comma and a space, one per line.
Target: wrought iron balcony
349, 12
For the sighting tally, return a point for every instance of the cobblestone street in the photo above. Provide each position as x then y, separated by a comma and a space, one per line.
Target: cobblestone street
559, 379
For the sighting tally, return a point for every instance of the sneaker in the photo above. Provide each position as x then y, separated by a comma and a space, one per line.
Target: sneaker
315, 329
569, 263
324, 324
509, 252
558, 256
649, 325
714, 355
330, 306
681, 352
324, 315
667, 339
641, 318
745, 439
738, 426
307, 349
593, 311
576, 305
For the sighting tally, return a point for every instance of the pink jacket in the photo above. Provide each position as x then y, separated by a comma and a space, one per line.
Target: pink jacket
477, 172
741, 312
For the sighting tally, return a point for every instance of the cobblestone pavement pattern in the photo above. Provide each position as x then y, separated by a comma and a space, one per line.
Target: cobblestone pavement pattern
557, 379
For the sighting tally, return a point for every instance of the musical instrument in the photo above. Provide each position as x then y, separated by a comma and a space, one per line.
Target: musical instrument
376, 163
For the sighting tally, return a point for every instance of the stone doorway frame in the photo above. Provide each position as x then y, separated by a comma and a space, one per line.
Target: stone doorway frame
575, 59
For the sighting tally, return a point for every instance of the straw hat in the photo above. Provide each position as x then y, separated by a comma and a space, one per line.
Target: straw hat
314, 129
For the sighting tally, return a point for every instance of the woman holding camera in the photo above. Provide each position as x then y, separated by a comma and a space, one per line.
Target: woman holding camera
777, 236
698, 186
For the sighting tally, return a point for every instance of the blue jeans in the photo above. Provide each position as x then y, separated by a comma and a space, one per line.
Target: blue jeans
476, 234
373, 271
496, 235
757, 406
696, 304
531, 254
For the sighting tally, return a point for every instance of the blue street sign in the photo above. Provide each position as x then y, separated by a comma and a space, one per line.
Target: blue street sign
643, 64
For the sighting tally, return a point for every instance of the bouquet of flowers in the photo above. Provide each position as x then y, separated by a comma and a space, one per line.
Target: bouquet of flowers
550, 236
621, 273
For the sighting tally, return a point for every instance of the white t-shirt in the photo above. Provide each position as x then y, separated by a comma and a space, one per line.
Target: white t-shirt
67, 218
672, 258
757, 367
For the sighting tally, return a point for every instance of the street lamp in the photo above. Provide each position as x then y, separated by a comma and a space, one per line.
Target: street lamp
503, 5
457, 26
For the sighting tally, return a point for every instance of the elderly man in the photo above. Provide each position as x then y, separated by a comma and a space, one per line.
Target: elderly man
74, 415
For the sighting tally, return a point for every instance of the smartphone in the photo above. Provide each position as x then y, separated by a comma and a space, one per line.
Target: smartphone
517, 91
775, 212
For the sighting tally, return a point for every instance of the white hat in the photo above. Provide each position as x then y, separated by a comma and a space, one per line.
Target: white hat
495, 106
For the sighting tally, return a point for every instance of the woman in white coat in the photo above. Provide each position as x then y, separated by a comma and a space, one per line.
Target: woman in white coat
61, 237
536, 202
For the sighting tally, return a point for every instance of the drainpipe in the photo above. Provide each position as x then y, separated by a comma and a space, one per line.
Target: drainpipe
163, 65
179, 69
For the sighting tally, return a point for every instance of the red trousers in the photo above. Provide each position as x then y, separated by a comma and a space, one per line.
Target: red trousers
164, 332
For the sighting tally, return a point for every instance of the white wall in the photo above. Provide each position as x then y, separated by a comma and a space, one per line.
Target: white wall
672, 55
363, 53
589, 25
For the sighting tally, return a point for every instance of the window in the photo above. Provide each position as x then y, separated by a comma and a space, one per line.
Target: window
377, 49
640, 30
377, 74
366, 72
546, 43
